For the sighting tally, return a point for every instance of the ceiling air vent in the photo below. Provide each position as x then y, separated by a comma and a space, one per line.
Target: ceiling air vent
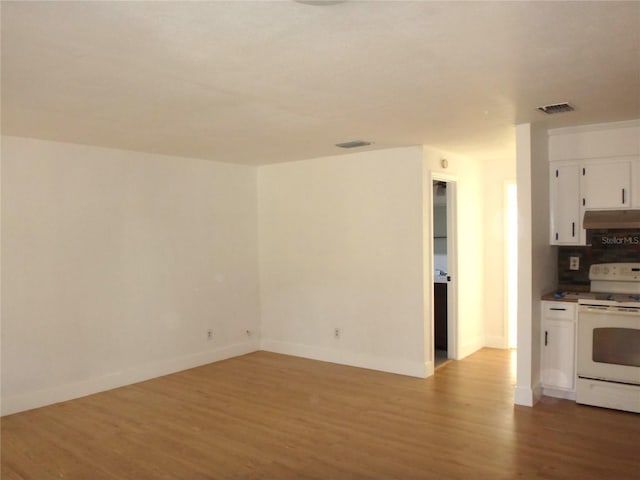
557, 108
353, 144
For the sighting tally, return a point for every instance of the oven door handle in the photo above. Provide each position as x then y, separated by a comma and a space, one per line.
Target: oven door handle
622, 311
593, 308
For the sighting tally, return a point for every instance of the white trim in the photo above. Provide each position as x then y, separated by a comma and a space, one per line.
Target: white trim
594, 127
453, 347
61, 393
468, 348
630, 157
556, 393
453, 333
523, 396
527, 397
384, 364
429, 369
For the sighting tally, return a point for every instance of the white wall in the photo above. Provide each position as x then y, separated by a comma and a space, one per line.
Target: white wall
537, 260
132, 257
496, 175
116, 263
345, 242
341, 247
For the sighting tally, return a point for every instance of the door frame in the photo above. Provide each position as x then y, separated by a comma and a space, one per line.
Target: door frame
452, 266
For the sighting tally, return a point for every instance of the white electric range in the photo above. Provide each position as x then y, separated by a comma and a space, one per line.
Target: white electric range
609, 338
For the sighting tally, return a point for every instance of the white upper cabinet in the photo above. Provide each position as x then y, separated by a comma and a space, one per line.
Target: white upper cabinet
595, 184
598, 168
635, 184
566, 224
606, 184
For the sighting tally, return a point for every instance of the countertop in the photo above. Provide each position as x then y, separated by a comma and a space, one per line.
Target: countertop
571, 293
568, 296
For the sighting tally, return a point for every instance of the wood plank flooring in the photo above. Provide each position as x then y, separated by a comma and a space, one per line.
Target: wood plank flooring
269, 416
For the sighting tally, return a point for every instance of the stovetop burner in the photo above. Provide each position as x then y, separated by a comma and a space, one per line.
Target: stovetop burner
617, 297
612, 284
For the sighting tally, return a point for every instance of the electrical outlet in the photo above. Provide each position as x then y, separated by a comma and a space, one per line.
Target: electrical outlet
337, 332
574, 263
209, 334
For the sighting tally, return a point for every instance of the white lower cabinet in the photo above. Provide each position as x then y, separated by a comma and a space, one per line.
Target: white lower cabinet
559, 349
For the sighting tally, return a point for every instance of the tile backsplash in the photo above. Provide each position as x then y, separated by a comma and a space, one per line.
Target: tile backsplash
616, 247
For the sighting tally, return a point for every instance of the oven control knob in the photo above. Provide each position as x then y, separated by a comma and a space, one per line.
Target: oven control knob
596, 270
606, 270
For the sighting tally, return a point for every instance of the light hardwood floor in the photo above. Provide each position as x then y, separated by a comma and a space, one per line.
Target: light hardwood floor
269, 416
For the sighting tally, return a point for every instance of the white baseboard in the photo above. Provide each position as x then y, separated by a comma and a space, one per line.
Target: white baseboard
61, 393
384, 364
470, 347
527, 396
537, 393
429, 369
556, 393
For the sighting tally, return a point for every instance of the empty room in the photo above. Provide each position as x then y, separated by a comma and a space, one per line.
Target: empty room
299, 239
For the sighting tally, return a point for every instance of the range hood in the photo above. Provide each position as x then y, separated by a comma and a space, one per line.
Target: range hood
611, 219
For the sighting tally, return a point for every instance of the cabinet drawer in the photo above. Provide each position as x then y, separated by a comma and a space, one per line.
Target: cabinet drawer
559, 310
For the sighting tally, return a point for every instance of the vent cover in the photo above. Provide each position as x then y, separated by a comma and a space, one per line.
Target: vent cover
353, 144
320, 3
557, 108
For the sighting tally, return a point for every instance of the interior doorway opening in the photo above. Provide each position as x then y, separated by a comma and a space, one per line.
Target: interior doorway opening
444, 264
441, 272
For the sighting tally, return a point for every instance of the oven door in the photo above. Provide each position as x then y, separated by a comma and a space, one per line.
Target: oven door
609, 344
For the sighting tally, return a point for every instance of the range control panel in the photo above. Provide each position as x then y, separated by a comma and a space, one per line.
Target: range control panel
620, 272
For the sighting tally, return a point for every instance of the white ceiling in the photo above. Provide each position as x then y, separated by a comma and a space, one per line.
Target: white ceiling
263, 82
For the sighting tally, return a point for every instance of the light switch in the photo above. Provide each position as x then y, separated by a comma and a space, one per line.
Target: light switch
574, 263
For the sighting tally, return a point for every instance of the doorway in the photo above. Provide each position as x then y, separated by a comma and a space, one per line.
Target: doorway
444, 261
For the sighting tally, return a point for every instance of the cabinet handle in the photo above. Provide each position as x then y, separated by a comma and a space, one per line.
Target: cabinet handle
546, 338
558, 309
623, 196
584, 202
573, 229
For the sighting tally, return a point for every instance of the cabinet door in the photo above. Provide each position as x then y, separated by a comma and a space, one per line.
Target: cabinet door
606, 185
558, 354
635, 184
566, 227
